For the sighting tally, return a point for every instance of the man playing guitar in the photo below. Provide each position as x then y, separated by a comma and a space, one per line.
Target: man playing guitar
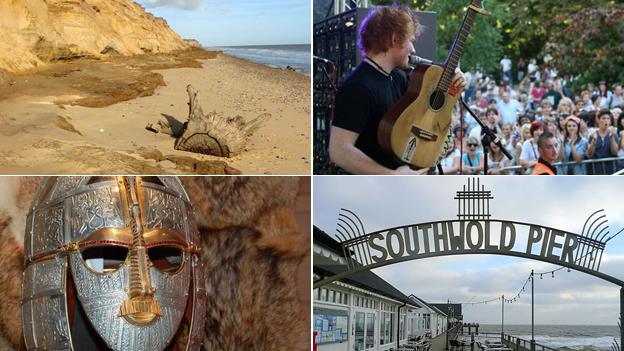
385, 39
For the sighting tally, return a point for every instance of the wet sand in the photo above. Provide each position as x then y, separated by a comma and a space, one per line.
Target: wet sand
89, 116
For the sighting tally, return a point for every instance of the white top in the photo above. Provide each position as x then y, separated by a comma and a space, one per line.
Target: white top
509, 111
605, 100
506, 63
529, 151
532, 68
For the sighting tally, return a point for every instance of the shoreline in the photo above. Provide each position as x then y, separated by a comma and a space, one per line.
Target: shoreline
43, 136
220, 49
264, 64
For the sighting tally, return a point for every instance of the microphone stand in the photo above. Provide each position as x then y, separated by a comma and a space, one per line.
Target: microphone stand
325, 73
488, 137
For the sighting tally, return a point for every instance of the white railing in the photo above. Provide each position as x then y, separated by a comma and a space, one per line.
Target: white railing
616, 162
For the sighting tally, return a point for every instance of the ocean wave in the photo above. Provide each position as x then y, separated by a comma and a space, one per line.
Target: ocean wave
573, 342
273, 57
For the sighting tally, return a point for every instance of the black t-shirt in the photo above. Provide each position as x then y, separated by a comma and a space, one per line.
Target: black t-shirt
361, 102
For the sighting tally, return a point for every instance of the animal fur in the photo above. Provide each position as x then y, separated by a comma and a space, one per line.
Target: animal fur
251, 249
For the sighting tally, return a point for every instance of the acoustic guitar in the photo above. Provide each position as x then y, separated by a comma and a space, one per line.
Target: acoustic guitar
416, 127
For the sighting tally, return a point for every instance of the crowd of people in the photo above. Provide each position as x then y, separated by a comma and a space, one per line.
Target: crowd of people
585, 125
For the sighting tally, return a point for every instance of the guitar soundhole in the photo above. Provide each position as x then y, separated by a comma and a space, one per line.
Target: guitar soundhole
436, 100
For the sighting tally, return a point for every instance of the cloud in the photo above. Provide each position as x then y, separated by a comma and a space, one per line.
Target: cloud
182, 4
223, 9
569, 298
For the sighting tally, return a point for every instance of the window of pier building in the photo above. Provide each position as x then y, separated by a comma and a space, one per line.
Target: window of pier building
387, 325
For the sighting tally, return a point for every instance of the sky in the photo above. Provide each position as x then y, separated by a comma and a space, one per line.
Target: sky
558, 202
236, 22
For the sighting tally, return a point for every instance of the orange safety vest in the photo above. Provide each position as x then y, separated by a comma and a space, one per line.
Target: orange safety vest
542, 169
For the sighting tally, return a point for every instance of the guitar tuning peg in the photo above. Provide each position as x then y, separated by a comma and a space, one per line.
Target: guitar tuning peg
479, 10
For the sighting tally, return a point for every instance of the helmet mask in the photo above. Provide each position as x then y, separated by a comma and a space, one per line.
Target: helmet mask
130, 245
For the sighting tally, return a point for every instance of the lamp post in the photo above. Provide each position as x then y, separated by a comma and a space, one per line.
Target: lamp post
622, 317
532, 310
448, 304
502, 318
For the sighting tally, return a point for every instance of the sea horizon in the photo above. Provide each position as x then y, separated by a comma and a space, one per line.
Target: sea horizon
561, 336
297, 56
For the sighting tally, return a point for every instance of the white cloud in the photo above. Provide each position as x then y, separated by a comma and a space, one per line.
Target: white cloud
183, 4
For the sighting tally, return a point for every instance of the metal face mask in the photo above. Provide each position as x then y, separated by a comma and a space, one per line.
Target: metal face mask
130, 245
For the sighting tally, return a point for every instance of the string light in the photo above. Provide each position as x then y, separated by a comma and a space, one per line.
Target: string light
523, 289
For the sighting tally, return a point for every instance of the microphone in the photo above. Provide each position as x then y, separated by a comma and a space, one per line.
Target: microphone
415, 60
322, 59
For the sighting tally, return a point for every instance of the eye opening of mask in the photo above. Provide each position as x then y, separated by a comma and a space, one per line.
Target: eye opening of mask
104, 259
167, 259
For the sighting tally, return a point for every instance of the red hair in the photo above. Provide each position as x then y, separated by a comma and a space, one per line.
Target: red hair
381, 23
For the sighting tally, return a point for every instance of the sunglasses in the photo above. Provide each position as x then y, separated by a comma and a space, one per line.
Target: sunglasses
473, 145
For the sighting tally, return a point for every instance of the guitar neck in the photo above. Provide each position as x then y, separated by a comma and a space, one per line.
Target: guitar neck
456, 50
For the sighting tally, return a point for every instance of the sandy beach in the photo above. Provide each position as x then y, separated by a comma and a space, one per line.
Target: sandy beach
89, 116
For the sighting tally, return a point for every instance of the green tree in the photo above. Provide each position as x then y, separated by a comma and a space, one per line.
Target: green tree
483, 48
589, 44
583, 36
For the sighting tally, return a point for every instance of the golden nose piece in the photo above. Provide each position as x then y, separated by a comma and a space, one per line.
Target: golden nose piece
140, 310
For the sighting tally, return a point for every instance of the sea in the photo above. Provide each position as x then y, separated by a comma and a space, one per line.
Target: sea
563, 337
296, 56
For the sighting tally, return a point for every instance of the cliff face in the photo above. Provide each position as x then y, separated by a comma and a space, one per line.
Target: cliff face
33, 32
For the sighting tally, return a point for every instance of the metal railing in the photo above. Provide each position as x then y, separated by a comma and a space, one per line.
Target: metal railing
519, 344
512, 342
592, 166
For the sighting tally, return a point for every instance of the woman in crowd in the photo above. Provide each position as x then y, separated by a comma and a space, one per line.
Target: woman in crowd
566, 106
573, 147
510, 137
537, 92
460, 141
525, 134
620, 130
530, 153
450, 164
604, 142
497, 160
604, 95
480, 100
472, 159
550, 125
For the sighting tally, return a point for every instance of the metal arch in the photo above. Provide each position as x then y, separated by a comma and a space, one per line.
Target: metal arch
357, 232
591, 236
366, 249
594, 222
456, 220
360, 255
603, 235
575, 265
343, 275
587, 220
356, 217
345, 229
341, 235
588, 252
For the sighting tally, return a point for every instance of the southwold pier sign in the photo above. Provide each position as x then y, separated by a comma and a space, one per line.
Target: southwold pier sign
472, 232
490, 236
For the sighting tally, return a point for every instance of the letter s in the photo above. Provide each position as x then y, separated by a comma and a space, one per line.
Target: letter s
384, 253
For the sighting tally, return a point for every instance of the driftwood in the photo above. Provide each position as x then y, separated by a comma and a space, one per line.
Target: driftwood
213, 135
